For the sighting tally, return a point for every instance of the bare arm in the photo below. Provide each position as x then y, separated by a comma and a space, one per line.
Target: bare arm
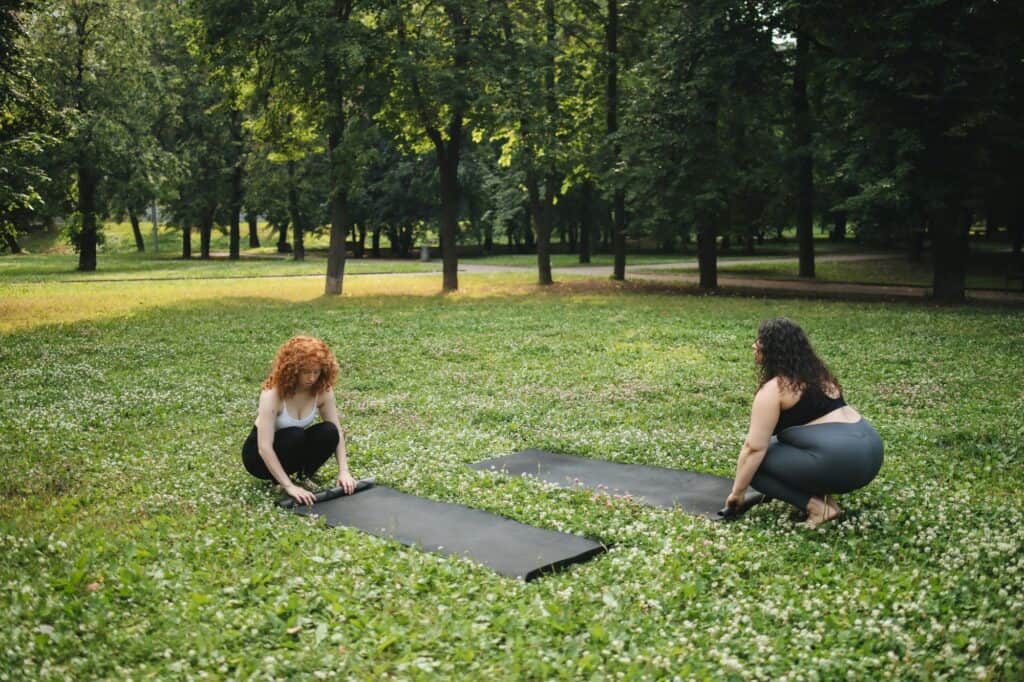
763, 416
329, 413
267, 413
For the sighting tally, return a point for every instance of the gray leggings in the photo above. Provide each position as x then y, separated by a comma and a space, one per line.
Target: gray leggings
818, 459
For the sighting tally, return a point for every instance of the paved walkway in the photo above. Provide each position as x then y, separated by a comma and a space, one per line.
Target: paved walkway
746, 284
691, 264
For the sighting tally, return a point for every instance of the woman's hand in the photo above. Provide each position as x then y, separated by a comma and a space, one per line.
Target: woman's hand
346, 482
300, 495
735, 499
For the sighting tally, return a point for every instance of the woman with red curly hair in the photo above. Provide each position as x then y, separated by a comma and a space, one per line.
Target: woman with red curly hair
282, 442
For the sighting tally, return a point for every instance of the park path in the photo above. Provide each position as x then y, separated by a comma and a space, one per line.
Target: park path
761, 285
649, 272
691, 264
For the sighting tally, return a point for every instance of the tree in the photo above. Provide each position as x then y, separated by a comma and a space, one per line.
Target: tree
316, 58
700, 136
443, 58
92, 60
24, 121
929, 110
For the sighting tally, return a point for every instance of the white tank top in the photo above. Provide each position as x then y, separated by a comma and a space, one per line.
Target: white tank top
285, 420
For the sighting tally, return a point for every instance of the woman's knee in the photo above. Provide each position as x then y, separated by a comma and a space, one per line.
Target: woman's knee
326, 433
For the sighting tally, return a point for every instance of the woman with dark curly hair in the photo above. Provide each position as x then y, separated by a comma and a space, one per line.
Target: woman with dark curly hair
282, 442
804, 441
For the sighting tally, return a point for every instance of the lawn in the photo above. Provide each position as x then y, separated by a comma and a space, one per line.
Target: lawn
788, 248
135, 546
985, 271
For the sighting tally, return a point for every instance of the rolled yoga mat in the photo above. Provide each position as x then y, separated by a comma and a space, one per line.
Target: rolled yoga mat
692, 492
507, 547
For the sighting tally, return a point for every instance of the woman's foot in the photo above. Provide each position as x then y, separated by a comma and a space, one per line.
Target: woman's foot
821, 511
309, 484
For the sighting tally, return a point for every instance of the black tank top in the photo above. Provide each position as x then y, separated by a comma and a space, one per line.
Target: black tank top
807, 410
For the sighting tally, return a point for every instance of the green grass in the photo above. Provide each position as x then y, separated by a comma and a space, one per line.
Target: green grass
135, 546
566, 260
985, 271
48, 259
61, 267
117, 238
636, 259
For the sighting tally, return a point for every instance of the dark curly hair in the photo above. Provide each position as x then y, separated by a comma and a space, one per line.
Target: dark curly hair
786, 353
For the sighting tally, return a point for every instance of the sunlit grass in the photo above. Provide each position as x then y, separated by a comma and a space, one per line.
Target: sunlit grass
26, 305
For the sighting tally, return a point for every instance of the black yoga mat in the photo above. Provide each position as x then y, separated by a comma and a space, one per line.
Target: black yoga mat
508, 547
694, 493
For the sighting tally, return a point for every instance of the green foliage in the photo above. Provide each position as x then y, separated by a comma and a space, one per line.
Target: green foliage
134, 545
700, 136
92, 65
24, 127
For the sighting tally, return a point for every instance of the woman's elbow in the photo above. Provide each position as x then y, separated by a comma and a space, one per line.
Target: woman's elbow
753, 450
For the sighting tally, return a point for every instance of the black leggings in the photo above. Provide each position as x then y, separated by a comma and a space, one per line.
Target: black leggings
818, 459
298, 450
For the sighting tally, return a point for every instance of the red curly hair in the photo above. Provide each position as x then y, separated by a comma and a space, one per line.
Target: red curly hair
297, 354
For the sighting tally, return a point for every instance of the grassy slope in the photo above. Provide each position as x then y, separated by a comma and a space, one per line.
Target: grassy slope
134, 543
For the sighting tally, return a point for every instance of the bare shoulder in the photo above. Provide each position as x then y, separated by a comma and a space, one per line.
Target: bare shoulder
778, 392
270, 400
326, 398
771, 389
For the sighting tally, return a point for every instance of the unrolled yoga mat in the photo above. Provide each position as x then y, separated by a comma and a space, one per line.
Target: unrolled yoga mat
694, 493
510, 548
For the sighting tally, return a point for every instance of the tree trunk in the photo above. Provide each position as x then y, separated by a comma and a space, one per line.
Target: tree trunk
449, 151
235, 208
336, 251
705, 211
341, 11
537, 213
254, 229
375, 241
358, 240
405, 234
547, 209
612, 125
12, 243
298, 247
950, 244
235, 202
805, 169
87, 181
838, 227
186, 241
205, 229
586, 220
140, 245
529, 241
1017, 229
282, 239
448, 162
707, 255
